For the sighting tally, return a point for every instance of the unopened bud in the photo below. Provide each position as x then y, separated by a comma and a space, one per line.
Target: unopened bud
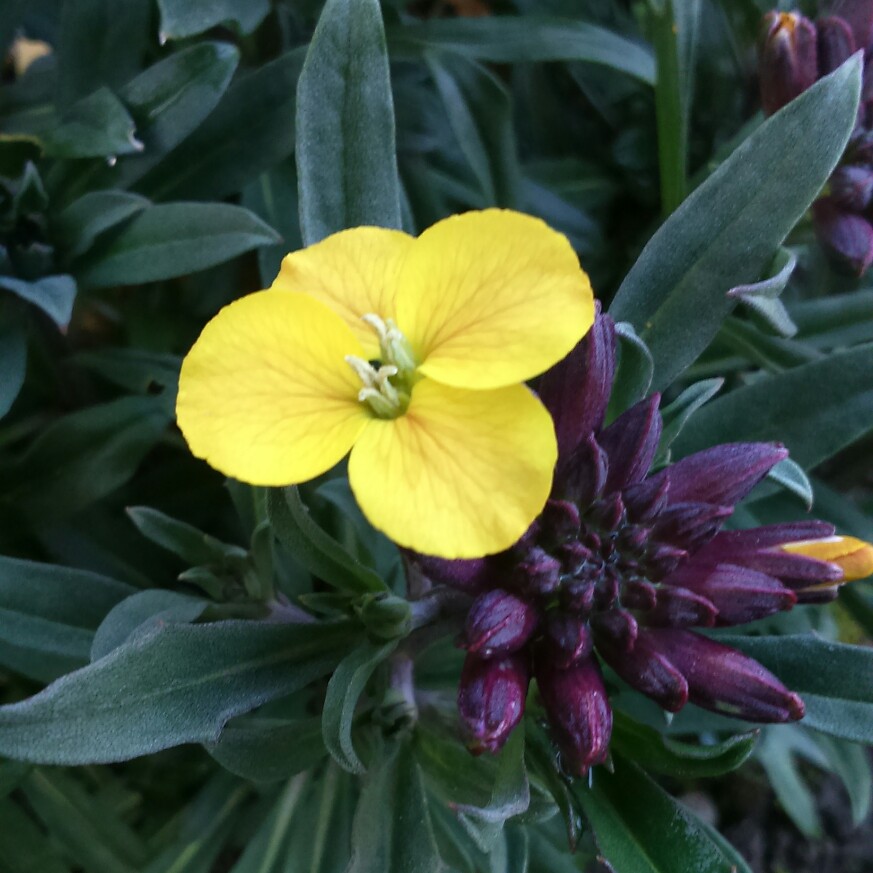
499, 623
852, 187
847, 238
853, 556
788, 58
568, 638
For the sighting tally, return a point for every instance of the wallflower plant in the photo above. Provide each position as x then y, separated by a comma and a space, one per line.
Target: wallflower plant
274, 563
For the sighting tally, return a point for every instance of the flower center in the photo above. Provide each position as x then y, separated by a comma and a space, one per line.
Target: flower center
387, 383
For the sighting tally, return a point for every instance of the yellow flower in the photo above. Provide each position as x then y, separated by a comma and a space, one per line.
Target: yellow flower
411, 353
853, 556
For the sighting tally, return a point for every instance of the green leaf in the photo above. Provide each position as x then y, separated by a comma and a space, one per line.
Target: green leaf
838, 691
174, 239
48, 615
726, 232
268, 849
98, 46
320, 553
641, 829
143, 608
676, 415
510, 795
169, 101
190, 679
54, 295
181, 18
816, 410
78, 226
514, 39
777, 759
81, 457
97, 126
343, 692
791, 477
763, 297
851, 763
216, 160
772, 353
480, 113
23, 845
136, 370
182, 539
346, 159
634, 374
662, 754
13, 359
392, 830
269, 749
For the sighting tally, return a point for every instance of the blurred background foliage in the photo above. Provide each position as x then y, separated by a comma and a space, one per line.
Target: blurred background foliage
147, 178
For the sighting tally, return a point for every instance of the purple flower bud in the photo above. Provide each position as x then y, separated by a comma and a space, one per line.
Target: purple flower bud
662, 558
724, 680
723, 475
573, 556
852, 187
539, 573
679, 607
639, 594
788, 58
470, 576
836, 43
617, 624
632, 537
606, 589
858, 14
578, 711
560, 520
818, 595
499, 623
631, 442
690, 525
739, 594
581, 477
793, 570
647, 670
568, 639
847, 238
646, 500
576, 390
578, 597
491, 700
734, 542
608, 512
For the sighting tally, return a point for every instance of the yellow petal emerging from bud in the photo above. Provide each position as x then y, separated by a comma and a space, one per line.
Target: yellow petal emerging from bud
853, 556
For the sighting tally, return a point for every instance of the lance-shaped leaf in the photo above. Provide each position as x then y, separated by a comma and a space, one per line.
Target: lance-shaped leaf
726, 233
346, 158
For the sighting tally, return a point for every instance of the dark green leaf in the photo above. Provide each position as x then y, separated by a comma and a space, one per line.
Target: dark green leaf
726, 232
190, 679
662, 754
174, 239
322, 555
181, 18
79, 225
480, 113
837, 691
343, 692
512, 39
23, 845
49, 615
54, 295
267, 749
816, 410
136, 370
98, 46
850, 761
182, 539
217, 159
634, 374
97, 126
346, 159
13, 359
791, 477
641, 829
676, 415
763, 297
145, 607
82, 457
392, 829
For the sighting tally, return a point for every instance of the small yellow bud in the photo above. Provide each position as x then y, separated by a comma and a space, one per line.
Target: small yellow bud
853, 556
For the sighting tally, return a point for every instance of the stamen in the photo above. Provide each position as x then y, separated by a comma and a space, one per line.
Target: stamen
393, 345
378, 392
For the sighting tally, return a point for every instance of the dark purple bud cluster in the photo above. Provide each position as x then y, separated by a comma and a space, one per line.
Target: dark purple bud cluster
618, 569
794, 53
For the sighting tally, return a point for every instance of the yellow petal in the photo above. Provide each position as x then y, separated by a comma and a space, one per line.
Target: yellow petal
265, 395
461, 474
854, 556
491, 298
354, 272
